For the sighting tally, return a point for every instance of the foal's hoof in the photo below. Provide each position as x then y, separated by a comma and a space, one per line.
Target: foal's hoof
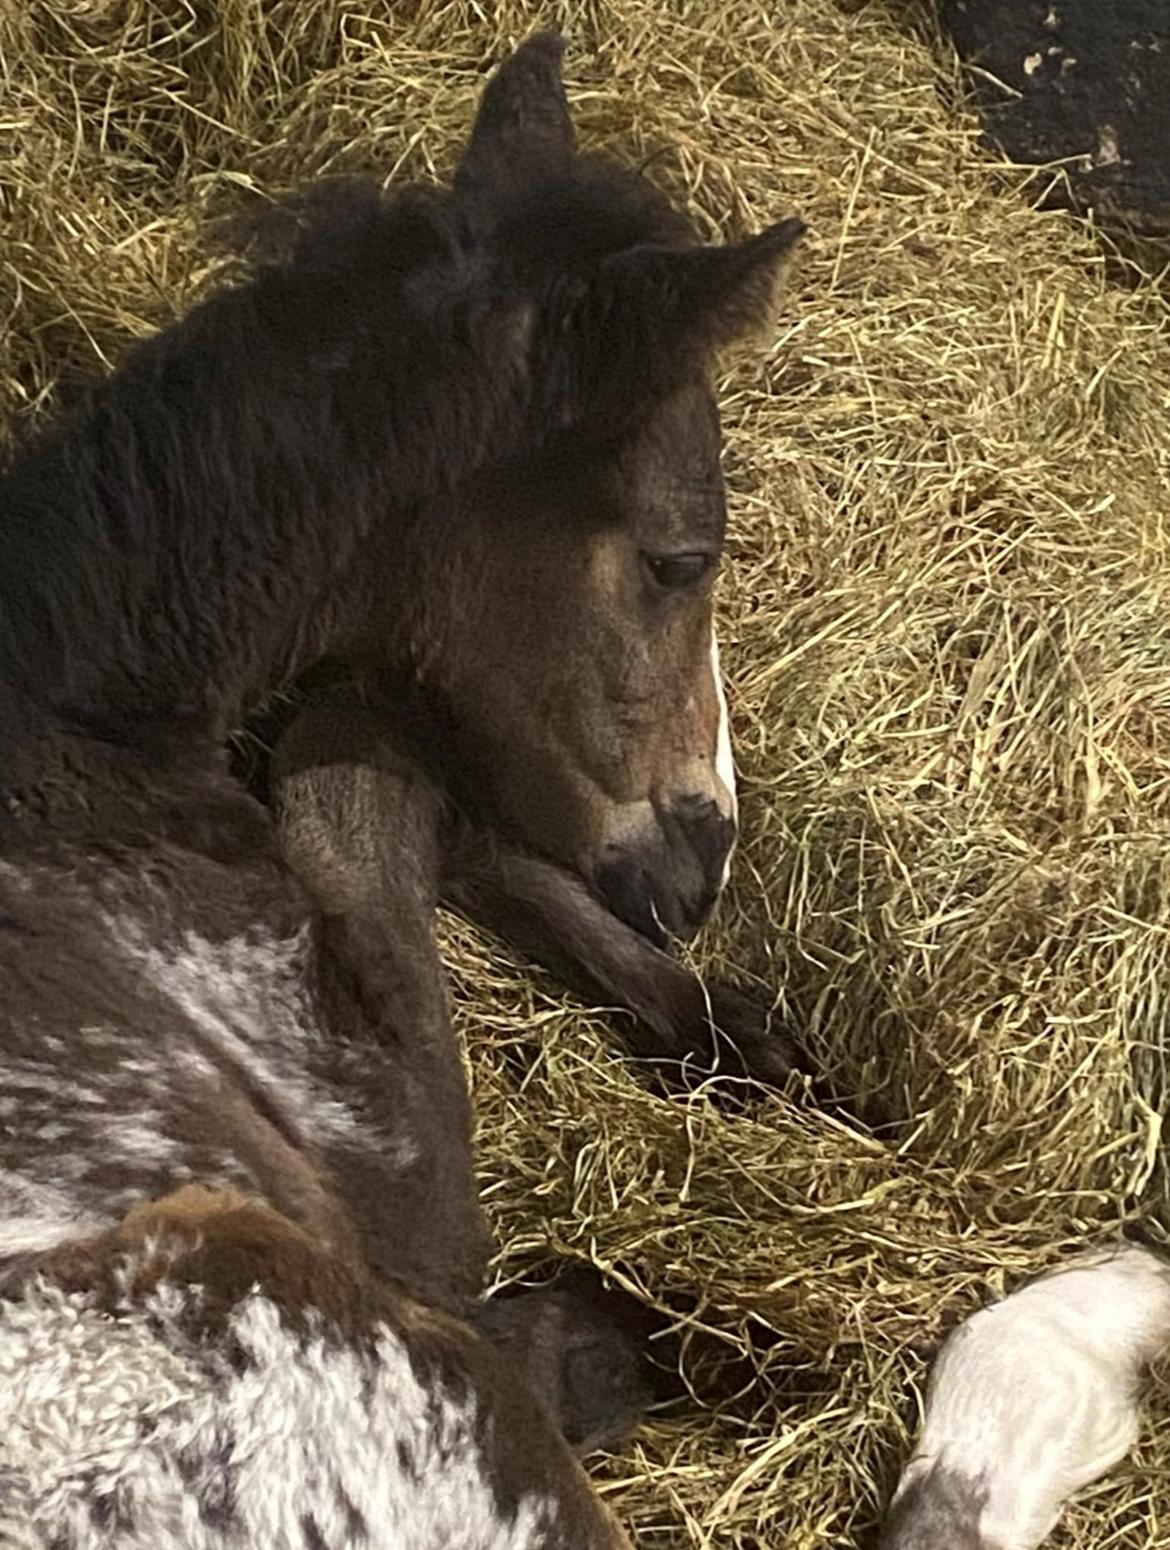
742, 1036
584, 1350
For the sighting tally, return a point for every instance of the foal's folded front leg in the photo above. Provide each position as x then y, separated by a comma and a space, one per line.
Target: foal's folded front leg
359, 827
551, 914
359, 824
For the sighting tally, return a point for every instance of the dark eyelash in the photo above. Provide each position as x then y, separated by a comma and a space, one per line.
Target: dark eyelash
673, 572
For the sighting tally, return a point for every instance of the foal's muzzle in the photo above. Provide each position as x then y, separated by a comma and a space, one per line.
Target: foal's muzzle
665, 884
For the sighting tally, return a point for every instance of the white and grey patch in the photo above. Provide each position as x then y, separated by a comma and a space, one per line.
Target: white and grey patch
118, 1436
1035, 1397
87, 1113
82, 1149
248, 997
35, 1217
727, 798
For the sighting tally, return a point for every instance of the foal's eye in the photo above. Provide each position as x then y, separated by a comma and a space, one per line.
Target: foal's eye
675, 571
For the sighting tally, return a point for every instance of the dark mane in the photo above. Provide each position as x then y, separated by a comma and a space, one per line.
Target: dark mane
162, 544
225, 471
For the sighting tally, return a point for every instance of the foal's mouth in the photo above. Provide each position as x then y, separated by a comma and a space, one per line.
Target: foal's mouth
628, 891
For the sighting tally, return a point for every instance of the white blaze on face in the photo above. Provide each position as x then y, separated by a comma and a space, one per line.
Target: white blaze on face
724, 760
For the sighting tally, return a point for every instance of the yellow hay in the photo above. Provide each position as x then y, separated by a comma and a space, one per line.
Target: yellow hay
947, 616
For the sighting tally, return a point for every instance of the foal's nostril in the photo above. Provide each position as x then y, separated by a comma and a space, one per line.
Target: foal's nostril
665, 882
710, 833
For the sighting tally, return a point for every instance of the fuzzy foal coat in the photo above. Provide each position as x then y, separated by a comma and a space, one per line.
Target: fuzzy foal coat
237, 1210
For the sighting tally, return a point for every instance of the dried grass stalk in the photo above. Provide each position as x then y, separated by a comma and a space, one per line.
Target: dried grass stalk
947, 609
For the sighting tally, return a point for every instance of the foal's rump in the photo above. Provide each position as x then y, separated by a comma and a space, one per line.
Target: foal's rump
204, 1377
196, 1348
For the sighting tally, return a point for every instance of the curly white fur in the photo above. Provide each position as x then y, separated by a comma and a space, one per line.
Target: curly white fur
120, 1434
1035, 1397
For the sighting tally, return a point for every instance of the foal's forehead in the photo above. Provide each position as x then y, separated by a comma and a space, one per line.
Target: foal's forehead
670, 466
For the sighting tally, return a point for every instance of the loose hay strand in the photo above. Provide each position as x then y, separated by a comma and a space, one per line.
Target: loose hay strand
948, 637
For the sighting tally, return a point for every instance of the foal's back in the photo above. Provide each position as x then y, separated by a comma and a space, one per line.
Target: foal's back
171, 1014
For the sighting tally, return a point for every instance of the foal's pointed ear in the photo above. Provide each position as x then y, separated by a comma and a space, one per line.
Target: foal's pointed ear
523, 124
647, 318
708, 297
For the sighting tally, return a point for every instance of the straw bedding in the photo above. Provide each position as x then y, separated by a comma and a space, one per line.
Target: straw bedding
947, 623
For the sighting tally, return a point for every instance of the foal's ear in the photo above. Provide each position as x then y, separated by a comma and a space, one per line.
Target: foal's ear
647, 318
523, 125
703, 298
645, 321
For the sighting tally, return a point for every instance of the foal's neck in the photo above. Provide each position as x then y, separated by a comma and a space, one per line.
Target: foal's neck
200, 533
